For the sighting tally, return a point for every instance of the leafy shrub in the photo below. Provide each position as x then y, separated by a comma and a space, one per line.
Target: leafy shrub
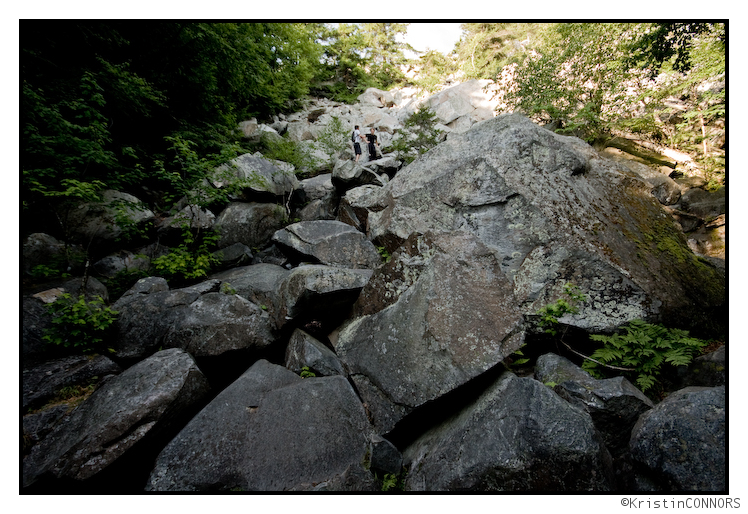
550, 313
79, 323
418, 136
190, 260
644, 349
307, 373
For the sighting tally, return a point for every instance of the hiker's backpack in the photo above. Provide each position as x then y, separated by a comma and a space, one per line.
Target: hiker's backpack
353, 136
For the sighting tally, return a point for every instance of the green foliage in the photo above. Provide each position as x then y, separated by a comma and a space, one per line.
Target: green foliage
550, 314
79, 323
191, 260
392, 482
384, 254
359, 56
485, 48
226, 288
644, 348
306, 373
435, 67
123, 281
334, 138
286, 150
418, 136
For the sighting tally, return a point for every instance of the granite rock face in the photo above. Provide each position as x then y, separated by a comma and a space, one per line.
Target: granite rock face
269, 431
130, 407
680, 444
443, 306
554, 211
517, 436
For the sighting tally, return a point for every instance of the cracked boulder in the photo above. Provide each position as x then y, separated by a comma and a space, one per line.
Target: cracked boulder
126, 410
440, 313
271, 430
554, 211
316, 291
329, 242
197, 319
614, 404
517, 436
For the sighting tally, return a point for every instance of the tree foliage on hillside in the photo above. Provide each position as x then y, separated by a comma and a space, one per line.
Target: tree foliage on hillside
102, 102
597, 80
359, 56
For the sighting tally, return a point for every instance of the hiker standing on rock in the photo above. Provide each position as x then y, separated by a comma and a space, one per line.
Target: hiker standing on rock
357, 139
372, 138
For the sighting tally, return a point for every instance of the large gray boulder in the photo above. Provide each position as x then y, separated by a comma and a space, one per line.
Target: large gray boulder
252, 224
203, 322
319, 198
318, 291
106, 221
258, 283
554, 211
329, 242
256, 177
680, 444
268, 431
348, 174
41, 249
356, 204
440, 313
614, 404
139, 403
517, 436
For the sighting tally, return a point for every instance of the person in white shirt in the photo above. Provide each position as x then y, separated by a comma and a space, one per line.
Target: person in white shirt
357, 140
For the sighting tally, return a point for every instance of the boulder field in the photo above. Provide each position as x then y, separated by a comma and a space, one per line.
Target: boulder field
375, 335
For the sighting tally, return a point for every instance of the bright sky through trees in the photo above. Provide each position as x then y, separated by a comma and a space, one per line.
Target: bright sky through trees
435, 36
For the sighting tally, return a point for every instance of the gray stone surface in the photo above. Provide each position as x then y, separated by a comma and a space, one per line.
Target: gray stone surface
680, 444
269, 431
517, 436
251, 224
318, 290
329, 242
140, 402
207, 324
440, 313
304, 351
258, 176
554, 211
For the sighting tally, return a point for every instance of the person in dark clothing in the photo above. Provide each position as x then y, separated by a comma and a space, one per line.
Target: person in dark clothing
373, 143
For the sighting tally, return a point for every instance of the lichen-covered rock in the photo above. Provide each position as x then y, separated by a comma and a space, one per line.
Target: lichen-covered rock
555, 211
270, 431
201, 321
442, 306
139, 403
329, 242
251, 224
102, 223
41, 383
680, 444
258, 177
258, 283
517, 436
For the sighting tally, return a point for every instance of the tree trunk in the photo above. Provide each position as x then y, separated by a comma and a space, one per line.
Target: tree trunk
637, 150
